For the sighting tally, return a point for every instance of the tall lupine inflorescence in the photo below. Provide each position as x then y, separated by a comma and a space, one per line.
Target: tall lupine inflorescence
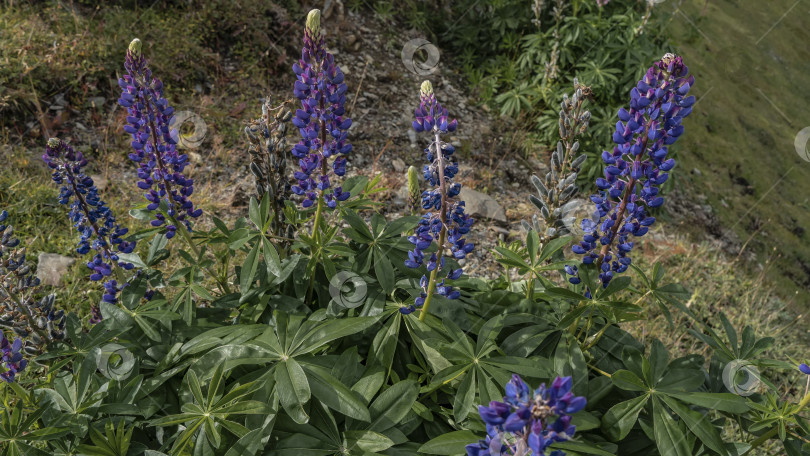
558, 188
636, 167
91, 217
160, 167
321, 120
29, 323
446, 226
268, 153
528, 422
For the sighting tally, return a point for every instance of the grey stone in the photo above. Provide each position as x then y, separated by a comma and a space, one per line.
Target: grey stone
398, 164
100, 181
51, 267
478, 203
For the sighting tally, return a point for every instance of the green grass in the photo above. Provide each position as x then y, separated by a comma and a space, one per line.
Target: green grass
752, 78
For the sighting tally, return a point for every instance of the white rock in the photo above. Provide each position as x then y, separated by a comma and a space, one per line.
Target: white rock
51, 267
100, 181
398, 164
478, 203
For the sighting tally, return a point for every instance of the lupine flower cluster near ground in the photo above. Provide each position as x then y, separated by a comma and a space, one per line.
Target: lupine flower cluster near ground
522, 422
310, 330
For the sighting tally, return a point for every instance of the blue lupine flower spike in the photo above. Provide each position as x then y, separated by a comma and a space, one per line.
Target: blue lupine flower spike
33, 322
636, 167
12, 359
449, 223
321, 120
527, 420
91, 217
160, 167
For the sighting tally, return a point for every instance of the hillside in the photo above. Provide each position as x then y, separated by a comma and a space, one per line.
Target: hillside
746, 174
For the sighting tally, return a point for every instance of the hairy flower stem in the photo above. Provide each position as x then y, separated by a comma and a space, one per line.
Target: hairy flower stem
431, 288
223, 284
628, 191
318, 212
119, 273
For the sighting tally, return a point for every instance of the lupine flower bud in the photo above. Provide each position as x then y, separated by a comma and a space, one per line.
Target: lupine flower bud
160, 168
135, 47
636, 167
314, 23
268, 152
449, 223
321, 120
528, 417
414, 193
556, 194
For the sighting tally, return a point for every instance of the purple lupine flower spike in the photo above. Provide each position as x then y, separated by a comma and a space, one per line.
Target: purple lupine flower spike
91, 217
12, 359
636, 167
160, 167
321, 119
534, 420
448, 225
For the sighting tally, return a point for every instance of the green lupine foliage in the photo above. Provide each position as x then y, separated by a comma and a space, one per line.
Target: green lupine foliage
522, 66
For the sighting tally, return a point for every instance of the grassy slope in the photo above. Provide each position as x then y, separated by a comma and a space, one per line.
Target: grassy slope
753, 69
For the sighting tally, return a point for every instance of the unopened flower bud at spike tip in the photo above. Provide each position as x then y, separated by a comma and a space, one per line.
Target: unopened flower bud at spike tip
135, 47
314, 22
54, 142
427, 88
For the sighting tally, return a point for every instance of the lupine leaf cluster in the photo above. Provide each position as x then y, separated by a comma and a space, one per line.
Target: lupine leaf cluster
235, 340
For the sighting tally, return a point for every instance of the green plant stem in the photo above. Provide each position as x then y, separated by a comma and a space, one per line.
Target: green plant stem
432, 283
318, 215
530, 288
221, 281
